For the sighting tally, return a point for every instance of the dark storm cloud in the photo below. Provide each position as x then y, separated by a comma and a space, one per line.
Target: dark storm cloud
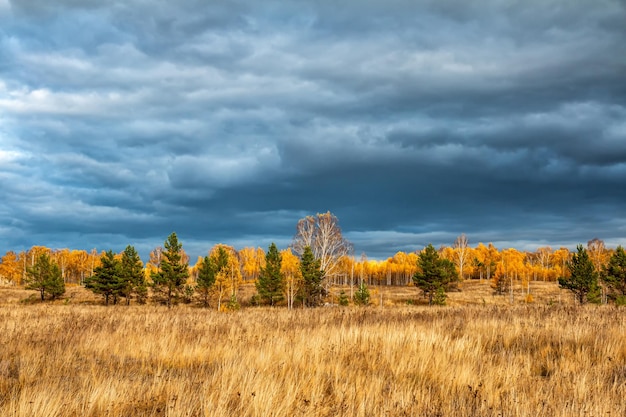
411, 121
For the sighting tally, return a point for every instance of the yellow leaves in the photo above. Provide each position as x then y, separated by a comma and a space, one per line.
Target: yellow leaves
290, 268
149, 270
213, 253
447, 253
512, 264
290, 265
260, 257
10, 268
222, 287
234, 273
252, 260
228, 278
560, 258
193, 270
598, 253
75, 265
397, 270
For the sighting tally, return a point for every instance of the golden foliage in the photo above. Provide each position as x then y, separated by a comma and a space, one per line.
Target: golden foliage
290, 268
252, 260
10, 268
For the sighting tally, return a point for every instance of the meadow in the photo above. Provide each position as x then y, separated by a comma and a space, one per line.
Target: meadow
483, 358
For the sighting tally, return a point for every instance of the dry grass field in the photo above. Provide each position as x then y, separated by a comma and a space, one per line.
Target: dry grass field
485, 358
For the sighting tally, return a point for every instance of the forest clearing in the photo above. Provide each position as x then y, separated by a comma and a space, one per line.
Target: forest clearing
76, 357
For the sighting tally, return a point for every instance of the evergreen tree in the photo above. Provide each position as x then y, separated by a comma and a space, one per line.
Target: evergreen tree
172, 275
614, 275
362, 295
221, 260
132, 276
106, 279
434, 274
440, 297
311, 290
271, 281
343, 298
233, 304
45, 276
583, 279
206, 279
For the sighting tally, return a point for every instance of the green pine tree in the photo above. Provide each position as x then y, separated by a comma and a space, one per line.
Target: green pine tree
312, 290
343, 299
362, 295
270, 284
614, 275
206, 279
132, 276
583, 279
440, 297
221, 261
170, 280
106, 279
45, 276
233, 304
434, 275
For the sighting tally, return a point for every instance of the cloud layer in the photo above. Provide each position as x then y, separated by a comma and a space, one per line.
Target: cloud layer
412, 121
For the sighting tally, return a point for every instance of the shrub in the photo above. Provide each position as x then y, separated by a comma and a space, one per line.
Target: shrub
362, 295
343, 299
440, 297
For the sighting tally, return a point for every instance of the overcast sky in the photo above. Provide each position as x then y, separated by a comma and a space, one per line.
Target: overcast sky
411, 121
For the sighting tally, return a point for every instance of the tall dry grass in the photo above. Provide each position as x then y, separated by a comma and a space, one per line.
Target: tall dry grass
76, 360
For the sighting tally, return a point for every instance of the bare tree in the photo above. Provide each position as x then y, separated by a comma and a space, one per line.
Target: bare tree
462, 253
305, 234
323, 234
155, 257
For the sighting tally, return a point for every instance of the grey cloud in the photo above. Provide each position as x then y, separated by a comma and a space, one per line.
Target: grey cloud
411, 121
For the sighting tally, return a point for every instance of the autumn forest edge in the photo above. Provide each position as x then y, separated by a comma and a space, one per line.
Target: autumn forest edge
334, 258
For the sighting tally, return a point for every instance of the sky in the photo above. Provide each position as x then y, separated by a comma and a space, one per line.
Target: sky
412, 121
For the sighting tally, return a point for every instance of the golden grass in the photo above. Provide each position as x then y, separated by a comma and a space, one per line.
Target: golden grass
470, 360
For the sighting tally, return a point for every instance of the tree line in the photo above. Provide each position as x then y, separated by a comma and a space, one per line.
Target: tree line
318, 258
